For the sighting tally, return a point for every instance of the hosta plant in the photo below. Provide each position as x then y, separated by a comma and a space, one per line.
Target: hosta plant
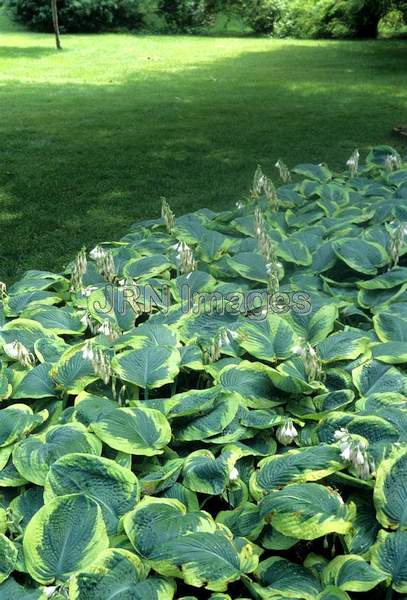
214, 406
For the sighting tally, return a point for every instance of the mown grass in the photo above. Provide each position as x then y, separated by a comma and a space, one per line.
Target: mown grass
92, 136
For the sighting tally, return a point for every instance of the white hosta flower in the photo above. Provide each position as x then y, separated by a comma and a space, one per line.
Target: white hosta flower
88, 351
3, 291
97, 253
239, 205
167, 215
78, 271
87, 291
353, 162
106, 266
49, 591
284, 171
185, 258
234, 474
286, 433
312, 364
392, 162
17, 351
102, 366
340, 433
109, 330
354, 450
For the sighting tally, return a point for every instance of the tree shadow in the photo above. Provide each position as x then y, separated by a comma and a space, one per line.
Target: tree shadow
10, 52
84, 161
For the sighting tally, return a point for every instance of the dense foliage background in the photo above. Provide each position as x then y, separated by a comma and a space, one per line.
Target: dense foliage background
294, 18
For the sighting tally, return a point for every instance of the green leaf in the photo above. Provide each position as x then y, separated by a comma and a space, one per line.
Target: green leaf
64, 536
319, 173
16, 422
113, 487
389, 555
351, 573
279, 576
120, 574
148, 367
141, 431
390, 492
306, 511
374, 376
8, 557
34, 456
268, 340
361, 256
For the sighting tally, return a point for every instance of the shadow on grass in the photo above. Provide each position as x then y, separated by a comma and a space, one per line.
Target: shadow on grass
83, 161
10, 52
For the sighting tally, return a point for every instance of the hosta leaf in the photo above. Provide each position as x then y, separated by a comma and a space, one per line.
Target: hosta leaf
10, 590
34, 455
143, 431
8, 557
161, 478
90, 408
393, 278
319, 173
118, 574
65, 536
114, 304
389, 555
374, 376
148, 367
36, 384
210, 421
25, 331
268, 340
206, 474
23, 508
352, 574
73, 372
365, 527
390, 327
390, 493
306, 511
315, 326
251, 381
113, 487
295, 466
346, 345
250, 266
361, 256
243, 521
279, 576
62, 321
157, 522
210, 559
17, 421
150, 266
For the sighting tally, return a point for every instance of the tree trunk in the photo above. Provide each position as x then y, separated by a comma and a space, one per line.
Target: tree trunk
54, 9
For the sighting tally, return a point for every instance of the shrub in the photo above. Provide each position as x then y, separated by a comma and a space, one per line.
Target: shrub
253, 440
77, 15
262, 15
186, 15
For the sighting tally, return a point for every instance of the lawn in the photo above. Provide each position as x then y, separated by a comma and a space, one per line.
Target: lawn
93, 136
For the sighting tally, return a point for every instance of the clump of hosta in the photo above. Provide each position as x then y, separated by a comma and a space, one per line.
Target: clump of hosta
185, 258
354, 450
167, 215
284, 172
100, 362
286, 433
312, 363
17, 351
392, 162
397, 233
353, 162
78, 271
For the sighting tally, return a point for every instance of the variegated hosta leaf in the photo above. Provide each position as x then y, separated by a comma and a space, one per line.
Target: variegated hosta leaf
161, 478
157, 522
8, 557
211, 559
365, 526
113, 487
64, 536
268, 340
361, 256
72, 373
142, 431
118, 574
251, 380
148, 367
331, 592
346, 345
10, 590
278, 577
25, 331
243, 521
389, 555
34, 455
37, 383
390, 492
17, 421
390, 327
148, 335
316, 325
373, 377
89, 408
352, 574
307, 511
23, 508
62, 321
295, 466
206, 474
207, 423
